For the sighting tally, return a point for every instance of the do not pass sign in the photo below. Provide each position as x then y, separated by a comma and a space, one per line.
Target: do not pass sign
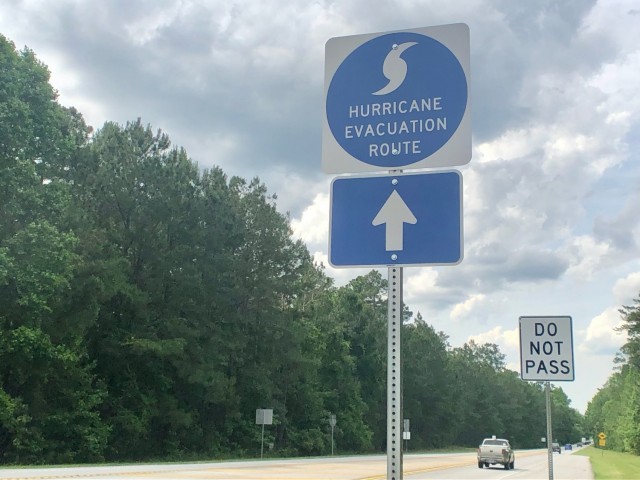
546, 349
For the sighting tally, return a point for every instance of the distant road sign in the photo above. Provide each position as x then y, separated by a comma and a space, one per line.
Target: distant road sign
397, 100
546, 349
396, 220
332, 420
264, 416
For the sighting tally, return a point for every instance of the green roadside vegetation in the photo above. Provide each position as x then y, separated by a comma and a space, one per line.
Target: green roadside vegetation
607, 464
150, 307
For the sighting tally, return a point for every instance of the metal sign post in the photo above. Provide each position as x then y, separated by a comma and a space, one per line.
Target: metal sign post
332, 422
394, 377
547, 392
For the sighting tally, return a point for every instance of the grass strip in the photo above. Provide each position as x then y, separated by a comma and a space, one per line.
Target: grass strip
607, 464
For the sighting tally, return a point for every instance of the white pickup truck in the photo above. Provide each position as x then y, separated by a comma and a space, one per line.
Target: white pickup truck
496, 451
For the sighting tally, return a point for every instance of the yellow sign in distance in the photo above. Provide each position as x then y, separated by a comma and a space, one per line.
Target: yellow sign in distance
602, 436
602, 442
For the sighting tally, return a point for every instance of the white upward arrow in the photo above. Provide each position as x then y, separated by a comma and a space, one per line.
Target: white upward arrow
395, 214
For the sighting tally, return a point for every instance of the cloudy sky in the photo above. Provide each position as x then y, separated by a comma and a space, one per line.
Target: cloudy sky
551, 194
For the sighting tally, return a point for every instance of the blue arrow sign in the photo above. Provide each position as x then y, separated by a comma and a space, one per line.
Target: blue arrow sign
396, 220
397, 100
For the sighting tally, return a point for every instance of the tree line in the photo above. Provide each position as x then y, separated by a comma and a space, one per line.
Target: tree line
615, 409
150, 307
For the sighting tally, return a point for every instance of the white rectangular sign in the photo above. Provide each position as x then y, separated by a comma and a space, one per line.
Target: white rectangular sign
546, 349
264, 416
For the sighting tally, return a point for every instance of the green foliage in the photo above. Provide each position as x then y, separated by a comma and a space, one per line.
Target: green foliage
608, 464
50, 404
150, 307
566, 421
631, 417
428, 396
631, 317
615, 409
49, 397
42, 262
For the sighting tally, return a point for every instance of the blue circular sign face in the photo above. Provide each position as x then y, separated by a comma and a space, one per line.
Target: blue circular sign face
396, 99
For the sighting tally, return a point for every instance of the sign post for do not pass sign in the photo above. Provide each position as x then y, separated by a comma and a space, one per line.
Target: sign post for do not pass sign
546, 349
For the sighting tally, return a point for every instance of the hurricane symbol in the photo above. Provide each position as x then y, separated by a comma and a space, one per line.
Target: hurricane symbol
394, 68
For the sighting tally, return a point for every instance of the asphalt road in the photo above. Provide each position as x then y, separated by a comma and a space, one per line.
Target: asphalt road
529, 465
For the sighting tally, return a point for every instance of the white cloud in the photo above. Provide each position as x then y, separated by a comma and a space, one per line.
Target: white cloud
342, 276
143, 30
509, 339
601, 336
465, 308
421, 283
616, 80
617, 21
586, 256
627, 289
512, 144
312, 227
512, 338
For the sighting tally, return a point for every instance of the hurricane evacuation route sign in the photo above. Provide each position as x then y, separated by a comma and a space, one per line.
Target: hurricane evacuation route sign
397, 100
546, 349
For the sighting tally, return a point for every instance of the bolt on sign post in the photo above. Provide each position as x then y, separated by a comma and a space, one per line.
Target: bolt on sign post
264, 416
393, 101
546, 354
